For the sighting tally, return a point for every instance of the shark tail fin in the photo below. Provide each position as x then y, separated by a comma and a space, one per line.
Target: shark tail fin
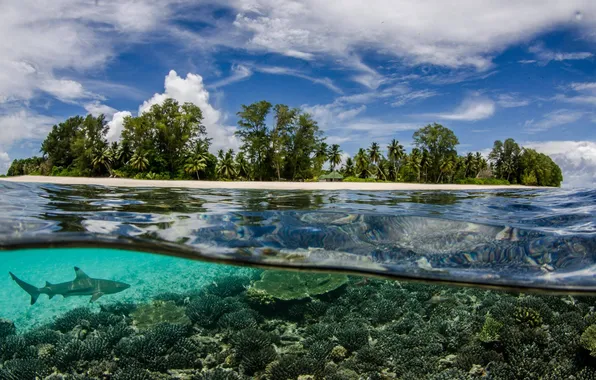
32, 290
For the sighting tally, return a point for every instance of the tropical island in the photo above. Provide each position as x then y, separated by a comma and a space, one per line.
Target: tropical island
170, 142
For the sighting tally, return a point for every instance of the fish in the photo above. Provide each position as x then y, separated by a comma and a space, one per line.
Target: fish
82, 285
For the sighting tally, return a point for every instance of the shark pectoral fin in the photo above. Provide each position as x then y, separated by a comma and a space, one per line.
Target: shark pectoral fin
95, 296
80, 274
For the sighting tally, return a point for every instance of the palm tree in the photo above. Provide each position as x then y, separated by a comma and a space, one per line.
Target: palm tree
195, 163
226, 167
348, 168
103, 158
425, 163
334, 156
384, 169
321, 155
361, 160
446, 167
470, 164
415, 162
242, 168
395, 152
139, 161
220, 154
374, 153
122, 153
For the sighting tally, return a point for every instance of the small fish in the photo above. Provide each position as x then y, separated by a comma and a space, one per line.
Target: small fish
82, 285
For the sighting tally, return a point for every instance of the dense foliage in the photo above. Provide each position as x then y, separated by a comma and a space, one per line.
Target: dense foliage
169, 141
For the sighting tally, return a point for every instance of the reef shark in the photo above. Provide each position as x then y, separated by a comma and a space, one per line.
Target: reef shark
82, 285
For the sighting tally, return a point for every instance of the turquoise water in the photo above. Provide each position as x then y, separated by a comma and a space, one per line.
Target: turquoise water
526, 258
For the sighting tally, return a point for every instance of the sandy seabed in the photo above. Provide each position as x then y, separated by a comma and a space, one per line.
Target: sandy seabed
125, 182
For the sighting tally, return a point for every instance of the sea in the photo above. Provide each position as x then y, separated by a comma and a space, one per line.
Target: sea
164, 283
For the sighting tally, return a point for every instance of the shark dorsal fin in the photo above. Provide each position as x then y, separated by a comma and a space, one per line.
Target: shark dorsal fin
80, 275
48, 284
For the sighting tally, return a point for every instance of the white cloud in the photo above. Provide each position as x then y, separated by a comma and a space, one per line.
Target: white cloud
553, 119
583, 86
4, 162
544, 55
413, 96
40, 40
378, 129
22, 124
465, 33
577, 160
585, 93
329, 115
471, 109
239, 72
116, 125
97, 108
64, 89
275, 70
191, 89
511, 101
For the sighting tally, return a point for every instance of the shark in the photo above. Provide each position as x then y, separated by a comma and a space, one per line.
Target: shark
82, 285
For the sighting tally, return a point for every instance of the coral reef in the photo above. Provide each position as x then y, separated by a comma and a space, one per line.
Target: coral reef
303, 329
297, 285
151, 314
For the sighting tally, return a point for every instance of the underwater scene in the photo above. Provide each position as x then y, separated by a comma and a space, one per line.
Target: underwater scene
122, 283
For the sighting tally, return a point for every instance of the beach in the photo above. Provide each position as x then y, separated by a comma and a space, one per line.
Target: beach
378, 186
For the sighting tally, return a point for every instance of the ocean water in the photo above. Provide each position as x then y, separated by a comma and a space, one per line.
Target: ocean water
230, 284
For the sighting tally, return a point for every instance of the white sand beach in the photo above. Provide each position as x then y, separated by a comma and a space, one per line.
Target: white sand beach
125, 182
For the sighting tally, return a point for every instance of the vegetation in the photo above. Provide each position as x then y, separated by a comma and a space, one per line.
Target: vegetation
170, 142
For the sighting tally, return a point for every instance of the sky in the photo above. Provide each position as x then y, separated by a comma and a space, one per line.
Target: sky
366, 70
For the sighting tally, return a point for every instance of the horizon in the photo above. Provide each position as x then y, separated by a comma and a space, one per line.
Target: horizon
365, 73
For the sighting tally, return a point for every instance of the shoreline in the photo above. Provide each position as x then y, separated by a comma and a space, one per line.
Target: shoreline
255, 185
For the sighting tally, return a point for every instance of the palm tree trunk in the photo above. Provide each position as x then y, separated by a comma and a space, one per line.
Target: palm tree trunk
198, 175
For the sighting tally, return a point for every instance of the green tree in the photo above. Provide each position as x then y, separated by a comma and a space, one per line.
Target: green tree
194, 164
446, 168
480, 163
302, 144
89, 139
254, 135
374, 153
139, 161
334, 156
321, 155
348, 168
440, 143
395, 153
415, 162
362, 164
176, 127
103, 159
57, 146
242, 167
285, 118
226, 167
538, 169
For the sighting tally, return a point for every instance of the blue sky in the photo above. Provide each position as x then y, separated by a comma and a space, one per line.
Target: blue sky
367, 71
